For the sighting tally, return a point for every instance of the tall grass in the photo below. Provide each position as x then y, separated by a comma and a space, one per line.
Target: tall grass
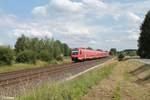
70, 90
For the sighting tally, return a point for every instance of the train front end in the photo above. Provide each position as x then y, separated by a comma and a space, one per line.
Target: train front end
74, 55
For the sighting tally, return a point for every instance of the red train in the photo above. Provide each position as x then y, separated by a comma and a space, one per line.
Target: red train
81, 54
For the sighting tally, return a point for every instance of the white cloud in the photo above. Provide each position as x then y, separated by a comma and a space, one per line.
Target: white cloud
134, 18
94, 3
7, 20
40, 11
31, 30
31, 33
66, 5
133, 35
113, 41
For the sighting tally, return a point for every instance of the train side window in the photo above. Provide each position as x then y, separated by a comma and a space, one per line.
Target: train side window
80, 52
83, 52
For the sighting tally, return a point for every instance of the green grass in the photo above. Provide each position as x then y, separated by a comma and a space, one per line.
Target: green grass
70, 90
117, 93
20, 66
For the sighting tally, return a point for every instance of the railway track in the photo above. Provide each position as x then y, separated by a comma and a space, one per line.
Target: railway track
15, 77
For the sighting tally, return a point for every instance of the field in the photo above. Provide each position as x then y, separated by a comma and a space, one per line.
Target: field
125, 80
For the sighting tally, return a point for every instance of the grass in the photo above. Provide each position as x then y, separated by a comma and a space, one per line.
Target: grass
117, 93
70, 90
20, 66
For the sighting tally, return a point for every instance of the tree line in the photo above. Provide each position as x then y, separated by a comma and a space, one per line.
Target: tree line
29, 50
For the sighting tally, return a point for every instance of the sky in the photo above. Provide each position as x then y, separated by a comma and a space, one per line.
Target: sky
102, 24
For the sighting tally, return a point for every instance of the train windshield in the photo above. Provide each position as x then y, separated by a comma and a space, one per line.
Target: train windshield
74, 52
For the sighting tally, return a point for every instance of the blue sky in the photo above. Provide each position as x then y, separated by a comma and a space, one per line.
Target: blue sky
80, 23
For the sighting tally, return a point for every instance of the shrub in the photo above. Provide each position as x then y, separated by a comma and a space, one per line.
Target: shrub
121, 56
45, 56
26, 56
6, 56
59, 58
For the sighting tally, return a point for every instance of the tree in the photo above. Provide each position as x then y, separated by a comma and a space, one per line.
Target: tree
45, 55
66, 49
6, 56
121, 56
99, 50
113, 51
45, 49
144, 39
22, 44
56, 49
89, 48
34, 44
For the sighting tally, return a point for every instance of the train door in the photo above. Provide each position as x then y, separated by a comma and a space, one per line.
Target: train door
85, 55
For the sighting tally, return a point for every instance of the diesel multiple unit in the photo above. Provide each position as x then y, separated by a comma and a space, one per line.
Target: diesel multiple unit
81, 54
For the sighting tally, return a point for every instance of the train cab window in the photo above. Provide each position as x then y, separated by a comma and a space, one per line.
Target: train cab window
74, 52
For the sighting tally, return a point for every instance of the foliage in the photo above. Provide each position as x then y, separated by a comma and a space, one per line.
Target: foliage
71, 90
113, 51
46, 49
117, 93
6, 56
39, 63
59, 58
44, 55
144, 39
22, 44
26, 56
90, 48
121, 56
57, 49
99, 50
131, 53
66, 49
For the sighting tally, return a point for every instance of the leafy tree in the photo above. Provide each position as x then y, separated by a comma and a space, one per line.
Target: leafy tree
60, 46
45, 56
90, 48
56, 50
113, 51
99, 50
46, 49
7, 56
22, 44
66, 49
144, 39
34, 44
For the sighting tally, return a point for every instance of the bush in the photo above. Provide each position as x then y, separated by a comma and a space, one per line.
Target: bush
59, 58
121, 56
45, 56
6, 56
26, 56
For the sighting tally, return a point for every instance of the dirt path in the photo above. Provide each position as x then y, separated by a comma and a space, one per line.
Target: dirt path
124, 83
